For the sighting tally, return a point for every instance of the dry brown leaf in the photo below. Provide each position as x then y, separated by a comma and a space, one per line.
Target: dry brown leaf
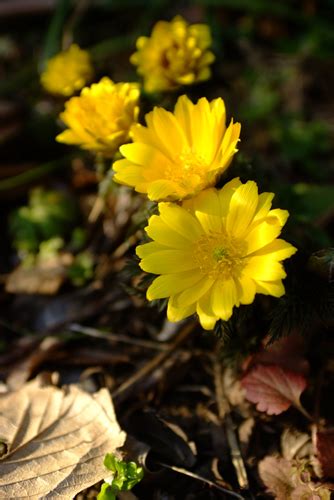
286, 480
295, 444
56, 439
245, 430
276, 474
233, 389
45, 278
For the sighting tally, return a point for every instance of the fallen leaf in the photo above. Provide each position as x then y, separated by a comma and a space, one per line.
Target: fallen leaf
21, 372
286, 480
232, 388
324, 446
56, 440
295, 444
273, 389
310, 492
245, 430
286, 352
276, 474
45, 278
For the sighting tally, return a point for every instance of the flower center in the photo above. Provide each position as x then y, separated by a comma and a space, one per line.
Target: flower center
219, 255
189, 169
191, 162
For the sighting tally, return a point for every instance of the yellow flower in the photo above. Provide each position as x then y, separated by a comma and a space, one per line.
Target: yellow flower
67, 72
178, 154
101, 117
175, 54
215, 252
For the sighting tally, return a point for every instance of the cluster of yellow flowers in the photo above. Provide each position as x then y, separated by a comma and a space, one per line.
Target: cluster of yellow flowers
213, 249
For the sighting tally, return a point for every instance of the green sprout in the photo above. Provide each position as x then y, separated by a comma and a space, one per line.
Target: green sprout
48, 215
125, 475
82, 269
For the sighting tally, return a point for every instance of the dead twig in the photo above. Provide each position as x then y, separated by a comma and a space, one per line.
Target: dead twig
188, 473
124, 390
224, 413
94, 332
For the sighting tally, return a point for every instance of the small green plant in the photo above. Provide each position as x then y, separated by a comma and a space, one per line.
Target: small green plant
48, 215
125, 475
82, 269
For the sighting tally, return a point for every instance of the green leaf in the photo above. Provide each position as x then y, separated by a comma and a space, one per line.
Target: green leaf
126, 475
48, 215
106, 493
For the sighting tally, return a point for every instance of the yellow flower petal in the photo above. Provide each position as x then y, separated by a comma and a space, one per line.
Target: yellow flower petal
278, 249
263, 206
263, 234
230, 140
161, 189
171, 284
143, 154
175, 313
224, 298
205, 313
128, 172
281, 215
225, 195
170, 133
183, 115
194, 292
206, 201
161, 233
274, 288
242, 208
149, 248
246, 289
180, 221
167, 262
209, 223
264, 268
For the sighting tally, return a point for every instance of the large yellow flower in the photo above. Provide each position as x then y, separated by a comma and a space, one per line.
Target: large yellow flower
67, 72
101, 117
175, 54
178, 154
215, 252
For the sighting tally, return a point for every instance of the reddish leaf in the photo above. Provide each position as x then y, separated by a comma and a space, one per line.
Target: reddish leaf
324, 445
273, 389
286, 352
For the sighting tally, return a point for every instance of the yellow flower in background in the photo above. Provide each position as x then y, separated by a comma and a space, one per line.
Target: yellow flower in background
175, 54
215, 252
178, 154
101, 117
67, 72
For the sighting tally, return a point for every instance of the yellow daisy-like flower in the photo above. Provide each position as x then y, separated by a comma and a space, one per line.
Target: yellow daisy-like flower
178, 154
215, 252
101, 117
67, 72
175, 54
